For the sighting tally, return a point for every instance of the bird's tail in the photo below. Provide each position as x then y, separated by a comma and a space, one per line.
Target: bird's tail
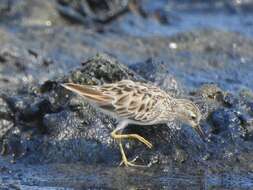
89, 92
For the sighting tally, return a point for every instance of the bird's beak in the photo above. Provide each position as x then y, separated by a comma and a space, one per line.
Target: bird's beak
200, 131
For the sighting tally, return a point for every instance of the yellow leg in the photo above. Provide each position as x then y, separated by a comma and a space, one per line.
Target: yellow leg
124, 158
120, 127
131, 136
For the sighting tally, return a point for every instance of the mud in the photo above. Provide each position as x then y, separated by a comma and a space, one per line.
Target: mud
53, 139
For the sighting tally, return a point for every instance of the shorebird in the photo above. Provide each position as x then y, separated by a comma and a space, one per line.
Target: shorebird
137, 103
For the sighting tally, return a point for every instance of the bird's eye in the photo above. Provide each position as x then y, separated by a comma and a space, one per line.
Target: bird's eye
193, 117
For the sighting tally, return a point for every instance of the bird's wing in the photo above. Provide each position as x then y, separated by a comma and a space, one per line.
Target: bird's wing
90, 93
127, 99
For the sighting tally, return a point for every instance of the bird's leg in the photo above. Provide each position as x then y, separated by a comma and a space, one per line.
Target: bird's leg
120, 127
124, 158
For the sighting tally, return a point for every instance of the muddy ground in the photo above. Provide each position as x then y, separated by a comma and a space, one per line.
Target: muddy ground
53, 139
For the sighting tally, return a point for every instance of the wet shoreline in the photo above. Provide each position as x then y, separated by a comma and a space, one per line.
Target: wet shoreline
52, 139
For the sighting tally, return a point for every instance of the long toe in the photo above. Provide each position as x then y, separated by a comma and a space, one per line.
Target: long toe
143, 140
124, 158
135, 165
132, 163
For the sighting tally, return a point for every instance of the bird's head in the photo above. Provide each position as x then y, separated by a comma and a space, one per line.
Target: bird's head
189, 113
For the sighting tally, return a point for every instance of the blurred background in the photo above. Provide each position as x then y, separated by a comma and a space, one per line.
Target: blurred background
198, 41
59, 142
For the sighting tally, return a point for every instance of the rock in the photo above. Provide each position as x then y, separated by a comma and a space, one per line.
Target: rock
63, 127
246, 94
6, 120
5, 6
157, 73
180, 155
55, 125
29, 108
54, 135
223, 119
71, 138
84, 12
230, 100
161, 16
68, 122
251, 107
6, 125
102, 69
210, 91
5, 111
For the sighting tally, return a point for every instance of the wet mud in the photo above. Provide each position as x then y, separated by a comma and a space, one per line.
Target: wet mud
52, 139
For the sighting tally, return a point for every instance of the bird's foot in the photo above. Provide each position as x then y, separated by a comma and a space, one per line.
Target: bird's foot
131, 163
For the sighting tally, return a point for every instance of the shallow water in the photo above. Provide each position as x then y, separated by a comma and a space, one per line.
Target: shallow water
80, 176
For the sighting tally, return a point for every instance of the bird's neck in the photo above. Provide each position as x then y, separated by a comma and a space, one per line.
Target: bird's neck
180, 107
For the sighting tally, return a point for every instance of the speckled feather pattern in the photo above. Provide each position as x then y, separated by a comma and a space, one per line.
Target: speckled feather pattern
137, 102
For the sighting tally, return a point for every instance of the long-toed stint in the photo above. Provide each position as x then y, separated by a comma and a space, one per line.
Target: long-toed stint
137, 103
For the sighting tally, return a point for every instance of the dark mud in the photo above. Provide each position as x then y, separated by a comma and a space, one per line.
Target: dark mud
52, 139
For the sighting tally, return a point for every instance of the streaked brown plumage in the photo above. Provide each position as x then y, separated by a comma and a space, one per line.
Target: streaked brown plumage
137, 103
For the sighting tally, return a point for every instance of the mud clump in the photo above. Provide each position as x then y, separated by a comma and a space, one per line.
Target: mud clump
158, 74
60, 124
56, 139
101, 11
49, 124
102, 69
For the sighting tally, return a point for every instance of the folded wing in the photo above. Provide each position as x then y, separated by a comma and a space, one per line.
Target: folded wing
90, 93
126, 99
